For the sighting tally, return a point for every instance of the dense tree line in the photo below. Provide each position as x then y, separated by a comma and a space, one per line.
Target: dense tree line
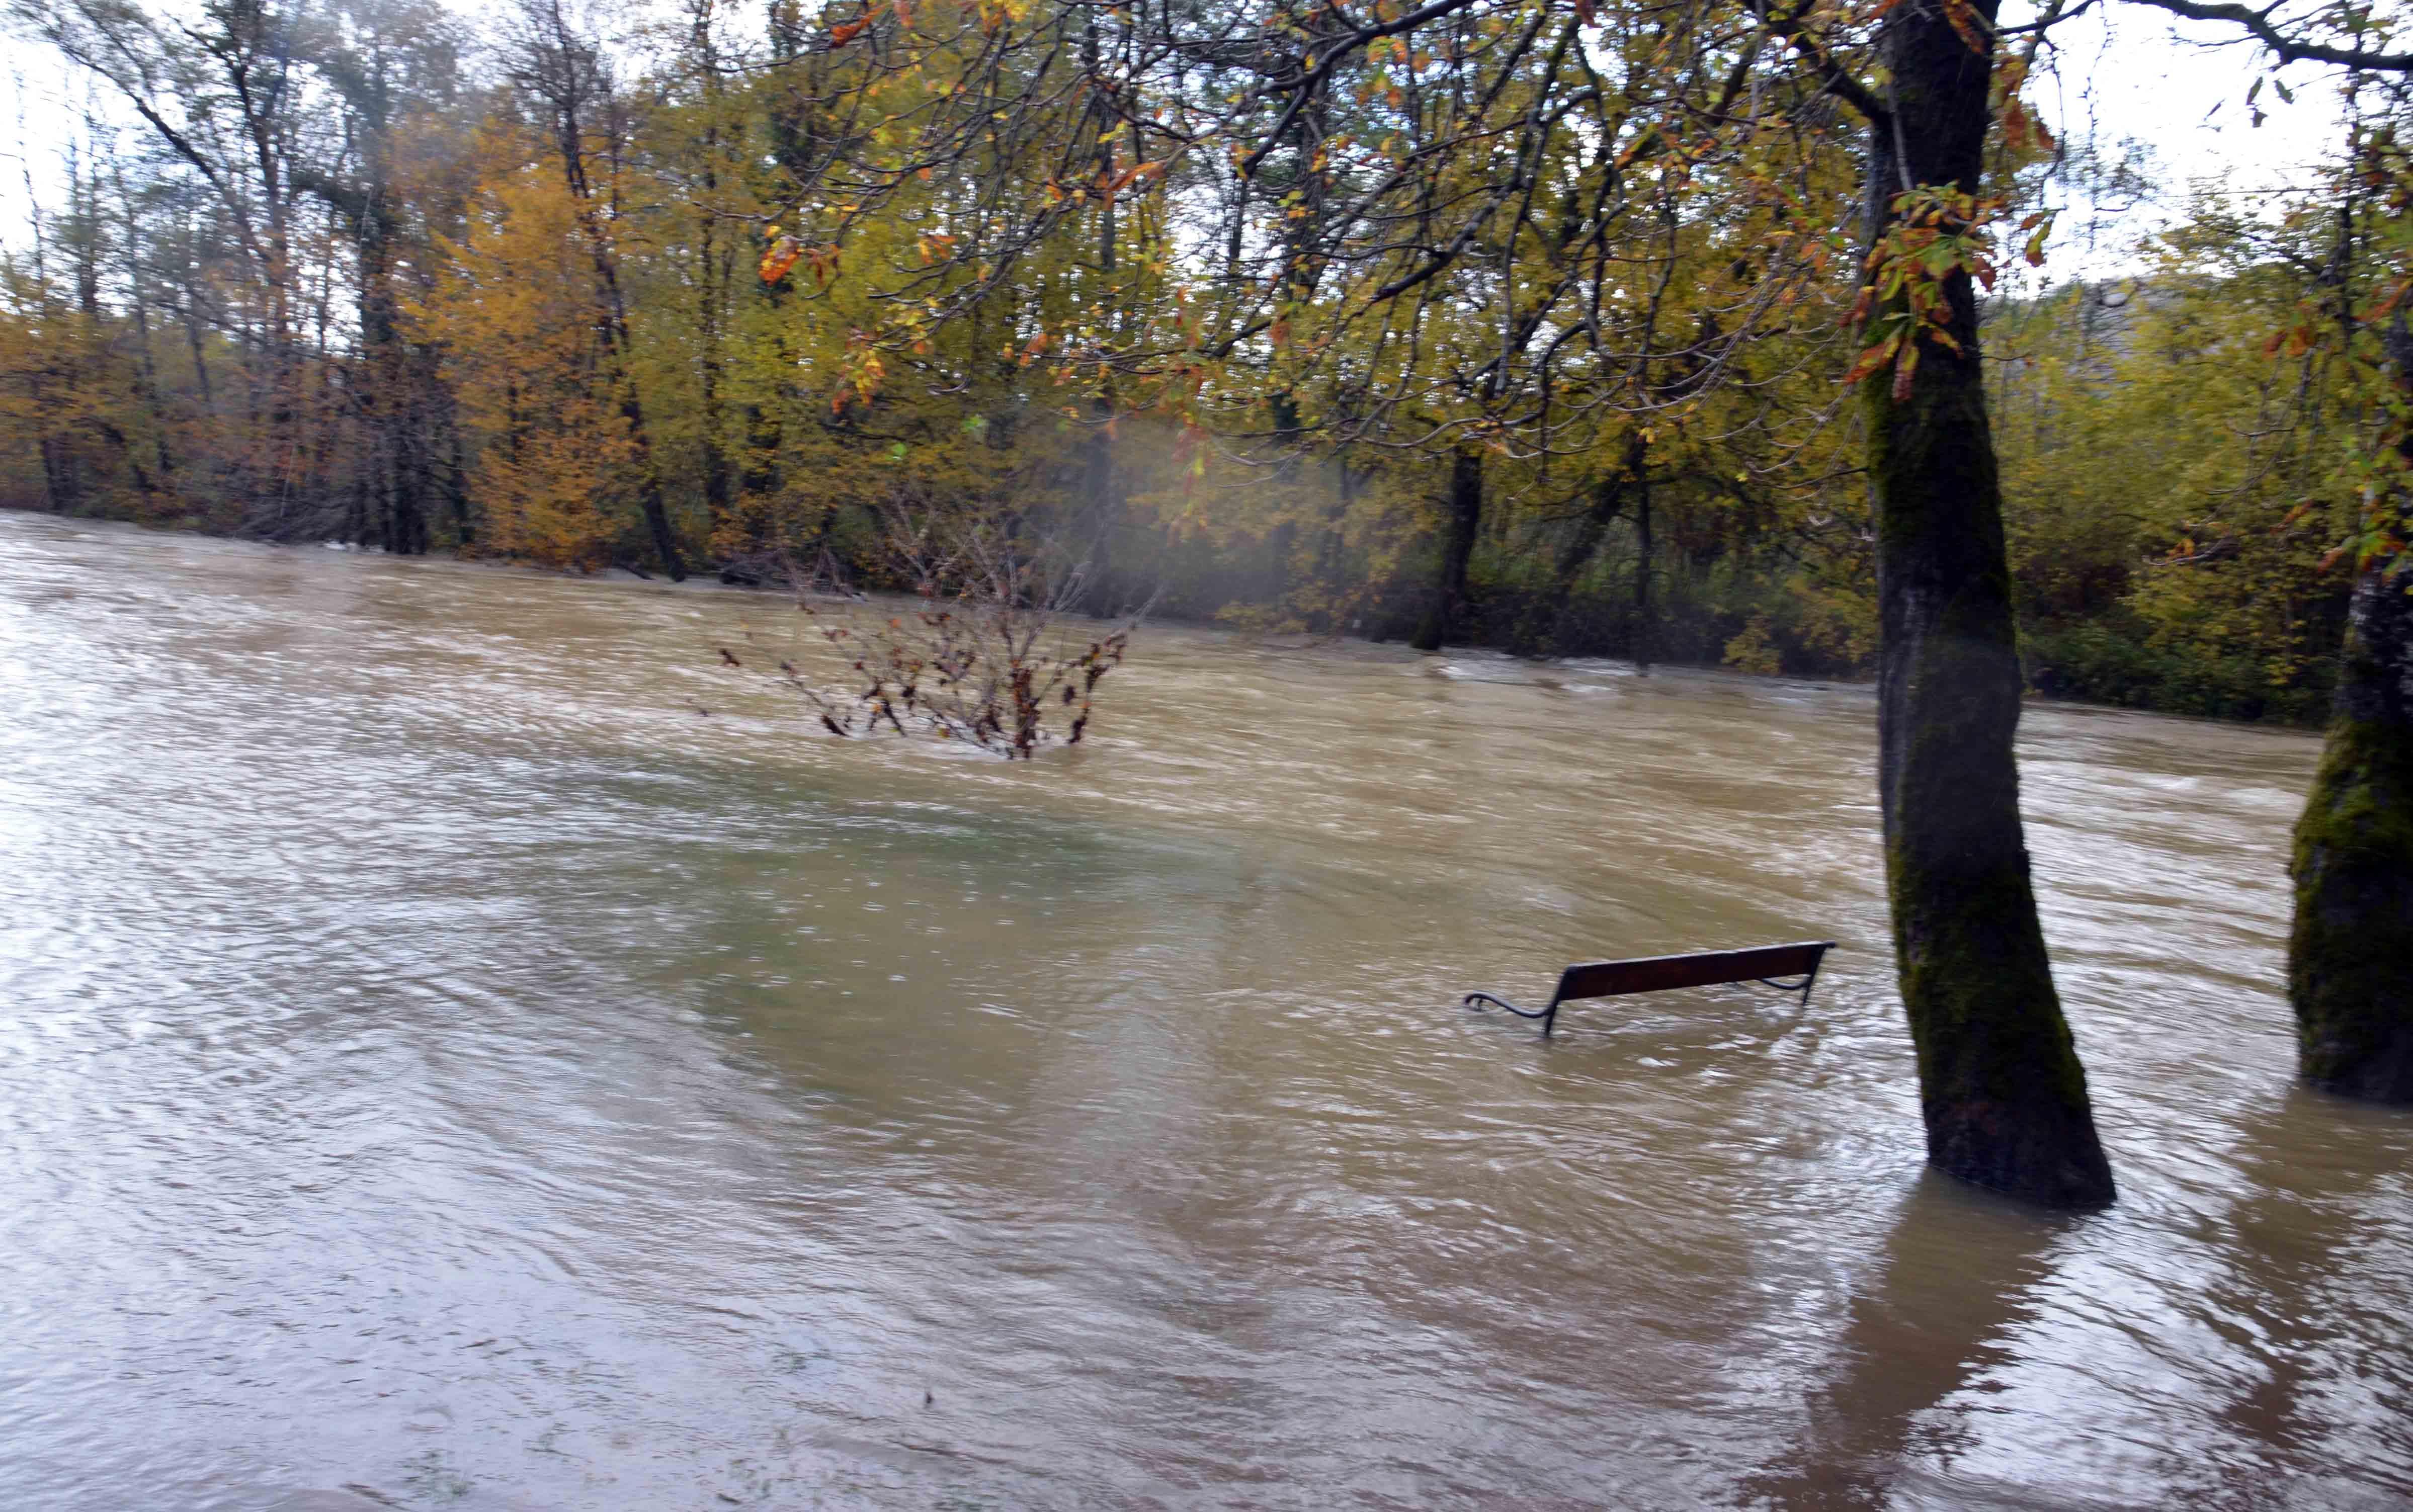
1652, 327
360, 272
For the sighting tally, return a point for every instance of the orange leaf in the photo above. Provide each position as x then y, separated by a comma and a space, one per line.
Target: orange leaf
779, 258
1869, 362
846, 31
1903, 371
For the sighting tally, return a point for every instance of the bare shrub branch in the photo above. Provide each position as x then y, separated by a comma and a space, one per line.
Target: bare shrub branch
986, 652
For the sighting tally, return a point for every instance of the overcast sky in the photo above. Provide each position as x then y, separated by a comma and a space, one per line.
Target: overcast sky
2125, 71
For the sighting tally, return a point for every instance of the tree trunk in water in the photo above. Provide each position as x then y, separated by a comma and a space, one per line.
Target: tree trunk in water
1446, 617
2001, 1089
2350, 956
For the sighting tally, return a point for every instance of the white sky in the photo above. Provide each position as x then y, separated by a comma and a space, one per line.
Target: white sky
2126, 70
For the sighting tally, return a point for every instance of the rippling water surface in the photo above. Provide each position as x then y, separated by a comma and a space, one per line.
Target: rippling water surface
443, 1064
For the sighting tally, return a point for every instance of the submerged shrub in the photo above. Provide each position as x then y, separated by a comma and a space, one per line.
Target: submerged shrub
986, 654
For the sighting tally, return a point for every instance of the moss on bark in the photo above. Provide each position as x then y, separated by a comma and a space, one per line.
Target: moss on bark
2003, 1094
2351, 956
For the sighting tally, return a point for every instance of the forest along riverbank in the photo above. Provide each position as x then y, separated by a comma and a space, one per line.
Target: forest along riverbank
469, 1045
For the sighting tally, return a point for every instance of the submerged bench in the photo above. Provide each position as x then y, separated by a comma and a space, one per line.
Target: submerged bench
1767, 965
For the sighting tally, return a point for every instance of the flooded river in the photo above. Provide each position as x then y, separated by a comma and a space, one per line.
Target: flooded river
461, 1045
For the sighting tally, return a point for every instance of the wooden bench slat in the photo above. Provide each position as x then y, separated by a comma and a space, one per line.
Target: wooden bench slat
1659, 973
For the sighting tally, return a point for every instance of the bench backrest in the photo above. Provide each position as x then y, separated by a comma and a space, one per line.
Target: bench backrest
1657, 973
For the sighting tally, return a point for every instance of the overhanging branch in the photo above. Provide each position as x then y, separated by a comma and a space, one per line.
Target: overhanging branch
2258, 24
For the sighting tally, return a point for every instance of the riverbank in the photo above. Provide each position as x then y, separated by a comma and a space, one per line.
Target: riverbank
2094, 665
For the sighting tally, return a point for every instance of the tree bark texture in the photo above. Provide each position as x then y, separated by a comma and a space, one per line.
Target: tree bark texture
2001, 1090
2351, 956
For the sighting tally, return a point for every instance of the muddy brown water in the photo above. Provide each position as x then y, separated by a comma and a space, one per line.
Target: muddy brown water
440, 1066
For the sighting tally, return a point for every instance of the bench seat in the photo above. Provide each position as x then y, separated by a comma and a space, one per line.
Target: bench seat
1765, 964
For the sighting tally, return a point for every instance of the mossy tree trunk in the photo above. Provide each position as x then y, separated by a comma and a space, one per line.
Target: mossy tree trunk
2001, 1089
1446, 617
2350, 956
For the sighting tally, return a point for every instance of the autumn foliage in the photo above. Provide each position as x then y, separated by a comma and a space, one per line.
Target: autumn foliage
1229, 305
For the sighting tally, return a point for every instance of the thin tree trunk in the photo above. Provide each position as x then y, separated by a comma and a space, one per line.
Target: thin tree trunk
650, 482
1101, 506
2004, 1096
389, 406
190, 311
54, 484
710, 417
566, 74
1606, 503
1545, 628
711, 284
456, 488
1643, 552
1446, 617
146, 371
1331, 544
1281, 544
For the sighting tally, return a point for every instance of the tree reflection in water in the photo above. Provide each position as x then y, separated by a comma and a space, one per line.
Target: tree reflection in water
1960, 1271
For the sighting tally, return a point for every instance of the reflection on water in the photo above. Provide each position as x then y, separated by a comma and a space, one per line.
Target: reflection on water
1930, 1322
443, 1067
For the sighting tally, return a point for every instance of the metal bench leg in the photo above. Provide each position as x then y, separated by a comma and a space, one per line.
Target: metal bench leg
1548, 1016
1802, 987
1475, 1001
